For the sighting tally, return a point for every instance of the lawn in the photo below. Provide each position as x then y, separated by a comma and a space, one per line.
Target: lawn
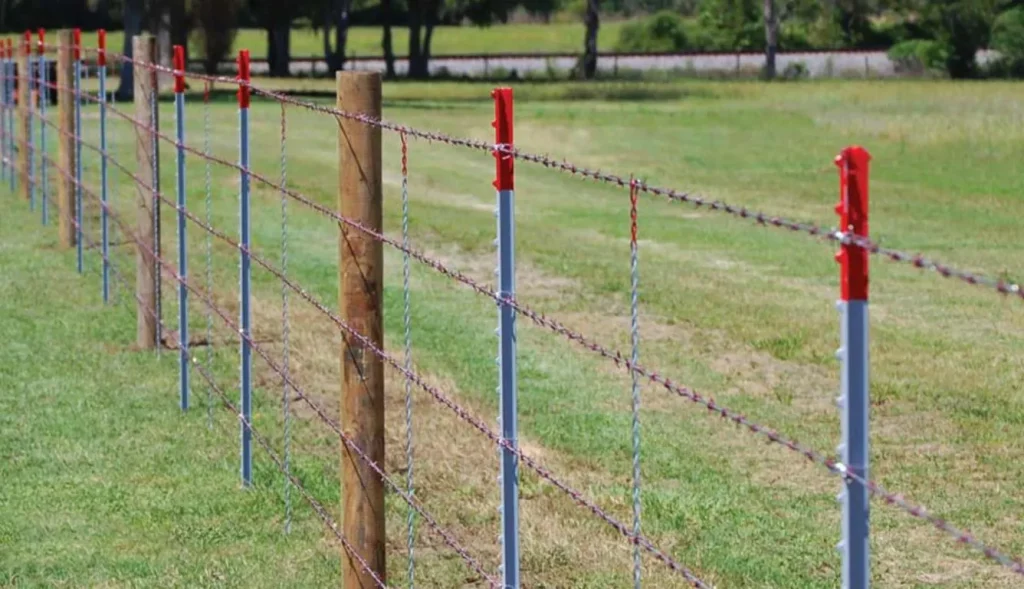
558, 37
107, 483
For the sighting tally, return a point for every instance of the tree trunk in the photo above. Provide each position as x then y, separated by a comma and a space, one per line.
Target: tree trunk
160, 26
417, 68
132, 26
771, 37
386, 43
422, 15
336, 17
179, 26
279, 56
593, 22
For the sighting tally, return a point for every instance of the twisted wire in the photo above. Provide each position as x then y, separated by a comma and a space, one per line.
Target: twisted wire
209, 248
634, 267
407, 324
285, 328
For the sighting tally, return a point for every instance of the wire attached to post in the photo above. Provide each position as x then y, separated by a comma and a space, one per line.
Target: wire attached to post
285, 328
407, 324
634, 267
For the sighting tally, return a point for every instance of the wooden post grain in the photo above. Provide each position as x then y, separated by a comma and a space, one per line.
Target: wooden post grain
361, 285
144, 50
24, 106
66, 138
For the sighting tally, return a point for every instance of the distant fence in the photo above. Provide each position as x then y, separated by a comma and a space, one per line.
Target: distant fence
28, 127
835, 63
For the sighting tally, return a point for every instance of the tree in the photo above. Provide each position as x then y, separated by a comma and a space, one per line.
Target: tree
423, 17
335, 16
592, 21
771, 38
217, 23
963, 26
134, 12
276, 19
386, 42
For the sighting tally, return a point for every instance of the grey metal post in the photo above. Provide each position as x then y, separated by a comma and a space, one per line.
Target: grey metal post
244, 268
104, 188
508, 389
179, 127
853, 401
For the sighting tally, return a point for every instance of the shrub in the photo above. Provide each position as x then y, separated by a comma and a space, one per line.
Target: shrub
661, 32
919, 56
1008, 40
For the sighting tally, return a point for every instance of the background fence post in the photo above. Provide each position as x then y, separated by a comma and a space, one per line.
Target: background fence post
144, 50
77, 105
66, 141
245, 349
25, 114
508, 415
101, 59
853, 402
179, 128
361, 285
11, 113
43, 96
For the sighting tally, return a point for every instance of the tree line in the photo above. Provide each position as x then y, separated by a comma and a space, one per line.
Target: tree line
944, 33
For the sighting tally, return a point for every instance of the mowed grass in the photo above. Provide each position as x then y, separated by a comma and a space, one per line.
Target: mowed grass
741, 313
560, 37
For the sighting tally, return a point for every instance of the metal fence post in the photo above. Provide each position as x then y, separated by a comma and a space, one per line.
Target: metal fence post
853, 401
101, 58
508, 389
245, 270
361, 293
12, 85
66, 222
5, 106
25, 108
77, 38
179, 124
43, 89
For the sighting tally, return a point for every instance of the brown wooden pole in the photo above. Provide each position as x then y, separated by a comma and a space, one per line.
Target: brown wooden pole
361, 279
144, 51
66, 138
24, 111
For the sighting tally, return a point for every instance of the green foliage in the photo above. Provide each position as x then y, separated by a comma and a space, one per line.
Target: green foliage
964, 26
1008, 40
919, 56
665, 31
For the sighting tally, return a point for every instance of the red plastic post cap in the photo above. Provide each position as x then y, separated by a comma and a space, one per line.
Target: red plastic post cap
101, 57
243, 78
852, 209
27, 45
42, 41
77, 36
179, 69
503, 136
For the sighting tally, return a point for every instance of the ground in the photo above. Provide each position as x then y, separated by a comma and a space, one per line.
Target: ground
106, 483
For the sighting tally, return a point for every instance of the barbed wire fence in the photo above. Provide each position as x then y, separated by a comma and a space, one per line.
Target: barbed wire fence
30, 135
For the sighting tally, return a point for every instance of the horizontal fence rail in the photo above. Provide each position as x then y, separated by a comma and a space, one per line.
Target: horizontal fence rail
85, 190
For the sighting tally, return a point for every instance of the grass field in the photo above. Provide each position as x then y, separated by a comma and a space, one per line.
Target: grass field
366, 41
105, 483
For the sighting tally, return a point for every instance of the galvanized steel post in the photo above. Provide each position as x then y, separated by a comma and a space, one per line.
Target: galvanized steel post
101, 60
244, 268
508, 388
179, 123
853, 401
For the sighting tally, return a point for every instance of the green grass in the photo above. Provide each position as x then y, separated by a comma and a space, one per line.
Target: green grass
366, 41
742, 313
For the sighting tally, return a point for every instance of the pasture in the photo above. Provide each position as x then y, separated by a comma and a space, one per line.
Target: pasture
105, 483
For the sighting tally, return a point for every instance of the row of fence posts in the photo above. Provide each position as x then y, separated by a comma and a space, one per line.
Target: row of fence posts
361, 274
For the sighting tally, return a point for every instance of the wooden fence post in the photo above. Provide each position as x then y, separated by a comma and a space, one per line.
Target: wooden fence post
144, 51
66, 138
361, 286
24, 124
